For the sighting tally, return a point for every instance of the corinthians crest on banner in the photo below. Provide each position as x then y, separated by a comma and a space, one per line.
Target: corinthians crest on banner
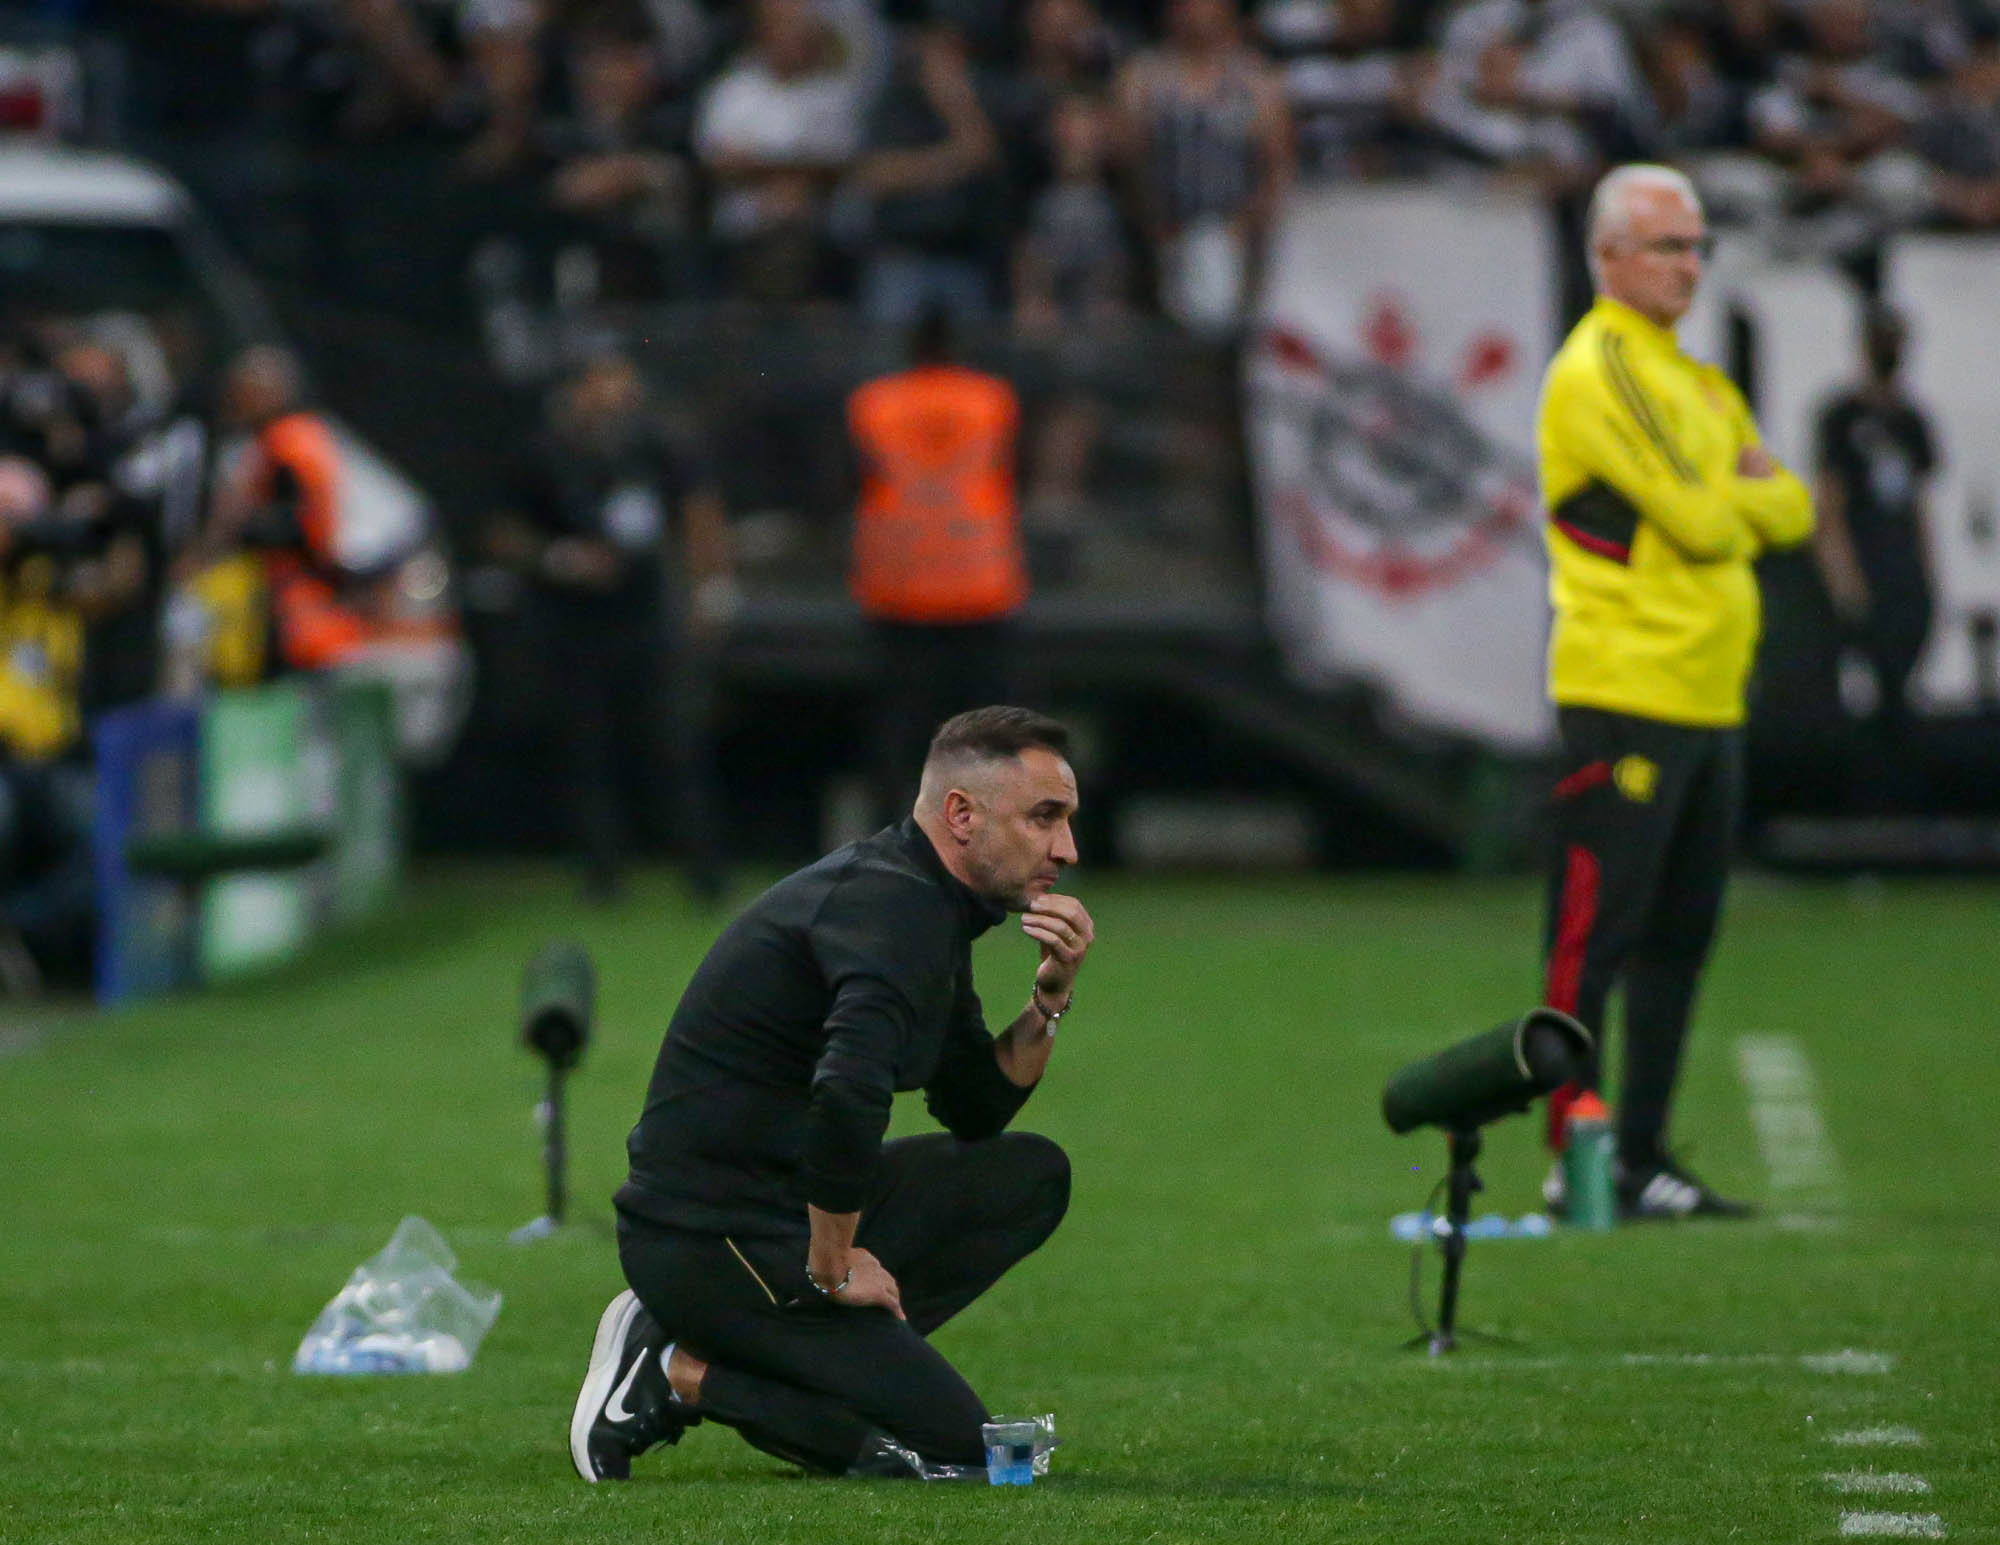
1391, 395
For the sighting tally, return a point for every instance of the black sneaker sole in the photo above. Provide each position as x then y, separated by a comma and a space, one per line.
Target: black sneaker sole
612, 1327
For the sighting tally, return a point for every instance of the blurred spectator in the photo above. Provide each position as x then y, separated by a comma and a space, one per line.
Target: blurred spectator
91, 545
617, 175
1835, 118
41, 664
1744, 37
1696, 106
1923, 39
45, 417
68, 562
1875, 454
1072, 265
1207, 126
1066, 50
457, 64
929, 178
117, 584
776, 130
501, 39
1072, 279
283, 502
1356, 75
398, 68
1960, 137
937, 566
620, 531
1544, 88
45, 787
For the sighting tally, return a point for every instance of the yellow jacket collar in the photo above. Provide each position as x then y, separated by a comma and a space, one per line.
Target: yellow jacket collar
1636, 322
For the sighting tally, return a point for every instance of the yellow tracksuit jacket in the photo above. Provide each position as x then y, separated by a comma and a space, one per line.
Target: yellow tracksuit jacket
1651, 533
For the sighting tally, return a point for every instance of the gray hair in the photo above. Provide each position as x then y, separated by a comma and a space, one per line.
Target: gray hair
1611, 202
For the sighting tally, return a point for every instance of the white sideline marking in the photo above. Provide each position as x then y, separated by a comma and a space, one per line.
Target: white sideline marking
1876, 1480
1784, 1108
1847, 1360
1878, 1437
1907, 1526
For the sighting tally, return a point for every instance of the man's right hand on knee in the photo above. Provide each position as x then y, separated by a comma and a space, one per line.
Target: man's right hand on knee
840, 1270
860, 1282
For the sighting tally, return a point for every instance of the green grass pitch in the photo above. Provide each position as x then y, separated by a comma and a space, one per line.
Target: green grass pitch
1216, 1327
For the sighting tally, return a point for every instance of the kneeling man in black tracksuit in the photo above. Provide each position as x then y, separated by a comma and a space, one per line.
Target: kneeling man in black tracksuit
786, 1263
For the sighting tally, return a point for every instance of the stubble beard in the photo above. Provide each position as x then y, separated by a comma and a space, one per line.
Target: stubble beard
991, 886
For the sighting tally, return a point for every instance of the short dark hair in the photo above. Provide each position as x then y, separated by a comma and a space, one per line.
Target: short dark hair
996, 733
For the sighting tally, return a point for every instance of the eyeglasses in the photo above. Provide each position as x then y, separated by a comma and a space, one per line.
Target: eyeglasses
1702, 247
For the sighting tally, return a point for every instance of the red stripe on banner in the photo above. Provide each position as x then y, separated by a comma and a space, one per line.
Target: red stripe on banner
1617, 552
1576, 916
1585, 777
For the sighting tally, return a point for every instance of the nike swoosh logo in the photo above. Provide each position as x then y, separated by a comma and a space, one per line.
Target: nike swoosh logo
615, 1409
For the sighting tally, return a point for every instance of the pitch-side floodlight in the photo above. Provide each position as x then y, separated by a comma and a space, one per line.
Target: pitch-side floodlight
558, 994
1460, 1090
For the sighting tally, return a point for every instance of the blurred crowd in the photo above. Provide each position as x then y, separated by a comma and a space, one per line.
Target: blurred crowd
158, 534
1055, 166
100, 472
1056, 160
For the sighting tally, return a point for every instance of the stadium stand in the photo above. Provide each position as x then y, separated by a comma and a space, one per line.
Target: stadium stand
453, 201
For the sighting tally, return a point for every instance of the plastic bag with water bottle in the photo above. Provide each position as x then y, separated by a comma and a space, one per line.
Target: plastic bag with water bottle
403, 1311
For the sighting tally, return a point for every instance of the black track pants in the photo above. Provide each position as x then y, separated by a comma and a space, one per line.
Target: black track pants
1645, 827
814, 1382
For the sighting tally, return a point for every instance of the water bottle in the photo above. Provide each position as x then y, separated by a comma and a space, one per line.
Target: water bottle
1587, 1161
379, 1352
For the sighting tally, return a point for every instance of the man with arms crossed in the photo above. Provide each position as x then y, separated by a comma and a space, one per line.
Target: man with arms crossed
787, 1264
1660, 497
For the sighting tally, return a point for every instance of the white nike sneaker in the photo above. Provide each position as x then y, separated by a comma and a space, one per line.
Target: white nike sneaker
626, 1404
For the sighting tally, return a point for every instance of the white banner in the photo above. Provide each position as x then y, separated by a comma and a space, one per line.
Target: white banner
1949, 287
1804, 322
1391, 398
1804, 319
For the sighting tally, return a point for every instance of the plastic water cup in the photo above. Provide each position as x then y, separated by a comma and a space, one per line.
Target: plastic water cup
1010, 1452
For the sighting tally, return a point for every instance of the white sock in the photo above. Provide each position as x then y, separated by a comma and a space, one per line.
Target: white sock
667, 1357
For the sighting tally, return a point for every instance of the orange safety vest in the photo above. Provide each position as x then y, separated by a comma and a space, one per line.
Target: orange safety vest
937, 536
315, 629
